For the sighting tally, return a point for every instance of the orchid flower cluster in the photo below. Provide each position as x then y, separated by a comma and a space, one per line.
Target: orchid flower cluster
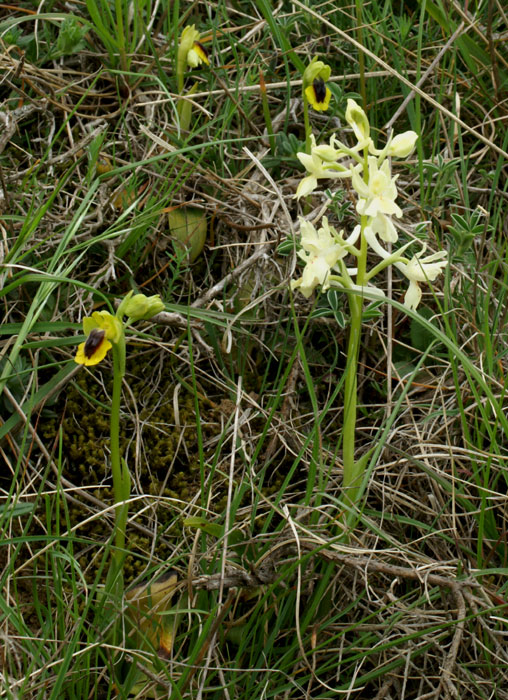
324, 249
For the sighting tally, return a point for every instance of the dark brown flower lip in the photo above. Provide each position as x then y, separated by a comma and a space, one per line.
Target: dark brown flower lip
93, 342
319, 89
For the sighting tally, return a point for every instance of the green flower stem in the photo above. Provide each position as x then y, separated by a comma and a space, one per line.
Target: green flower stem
306, 121
181, 63
352, 470
351, 152
342, 282
121, 477
184, 108
395, 258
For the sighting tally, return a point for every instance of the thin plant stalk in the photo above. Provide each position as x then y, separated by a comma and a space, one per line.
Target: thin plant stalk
306, 122
266, 112
352, 468
114, 587
121, 480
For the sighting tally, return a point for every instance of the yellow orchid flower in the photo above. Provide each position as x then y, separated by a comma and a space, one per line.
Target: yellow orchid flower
190, 49
102, 329
314, 84
319, 95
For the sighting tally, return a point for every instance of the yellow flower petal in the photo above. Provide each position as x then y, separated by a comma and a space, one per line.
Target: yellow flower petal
106, 321
89, 324
200, 53
100, 328
98, 354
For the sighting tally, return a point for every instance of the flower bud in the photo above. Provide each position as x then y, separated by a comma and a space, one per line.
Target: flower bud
357, 120
328, 153
155, 306
139, 307
402, 145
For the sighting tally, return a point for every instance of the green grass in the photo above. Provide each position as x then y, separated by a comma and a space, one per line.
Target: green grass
232, 406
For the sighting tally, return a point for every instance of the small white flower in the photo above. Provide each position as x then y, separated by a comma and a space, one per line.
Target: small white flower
383, 226
426, 269
325, 241
320, 164
379, 194
417, 270
314, 166
315, 273
322, 249
420, 269
400, 146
